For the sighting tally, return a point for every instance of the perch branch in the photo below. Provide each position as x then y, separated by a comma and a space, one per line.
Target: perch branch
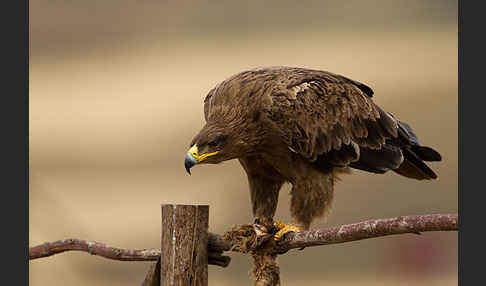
217, 244
369, 229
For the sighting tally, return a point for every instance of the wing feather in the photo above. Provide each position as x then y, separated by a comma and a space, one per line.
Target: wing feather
324, 111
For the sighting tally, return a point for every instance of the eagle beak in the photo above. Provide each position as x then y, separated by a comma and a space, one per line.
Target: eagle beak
193, 157
189, 162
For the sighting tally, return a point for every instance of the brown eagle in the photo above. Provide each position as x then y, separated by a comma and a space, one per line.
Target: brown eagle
303, 127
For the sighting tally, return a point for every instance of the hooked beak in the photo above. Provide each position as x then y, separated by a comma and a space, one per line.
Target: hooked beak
193, 157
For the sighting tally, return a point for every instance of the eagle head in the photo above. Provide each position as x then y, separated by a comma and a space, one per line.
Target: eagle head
222, 141
210, 146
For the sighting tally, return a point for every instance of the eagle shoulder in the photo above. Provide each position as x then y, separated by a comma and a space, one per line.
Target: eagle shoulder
207, 103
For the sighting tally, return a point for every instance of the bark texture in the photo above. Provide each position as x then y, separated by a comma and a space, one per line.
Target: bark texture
184, 256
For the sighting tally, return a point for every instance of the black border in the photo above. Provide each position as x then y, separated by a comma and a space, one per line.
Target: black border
15, 142
471, 145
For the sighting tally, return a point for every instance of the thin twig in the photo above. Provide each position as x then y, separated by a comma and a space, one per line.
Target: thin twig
95, 248
100, 249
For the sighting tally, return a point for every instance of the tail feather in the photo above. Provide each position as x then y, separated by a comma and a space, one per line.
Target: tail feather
414, 154
426, 153
414, 167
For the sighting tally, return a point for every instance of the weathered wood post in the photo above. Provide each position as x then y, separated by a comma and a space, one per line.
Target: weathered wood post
184, 245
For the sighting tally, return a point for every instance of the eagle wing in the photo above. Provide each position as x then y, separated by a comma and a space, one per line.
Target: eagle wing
327, 118
325, 115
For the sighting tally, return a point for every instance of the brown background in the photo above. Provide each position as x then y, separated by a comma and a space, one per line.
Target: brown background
116, 95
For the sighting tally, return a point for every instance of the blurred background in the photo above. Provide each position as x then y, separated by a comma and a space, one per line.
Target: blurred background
116, 95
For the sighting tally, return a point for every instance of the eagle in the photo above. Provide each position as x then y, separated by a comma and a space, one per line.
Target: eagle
304, 127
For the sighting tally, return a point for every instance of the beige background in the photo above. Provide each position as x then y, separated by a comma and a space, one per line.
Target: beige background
116, 95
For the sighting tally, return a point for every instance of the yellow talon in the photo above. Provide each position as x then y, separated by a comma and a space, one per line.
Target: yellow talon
283, 228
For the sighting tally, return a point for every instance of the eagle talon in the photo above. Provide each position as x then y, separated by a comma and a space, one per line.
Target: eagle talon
283, 229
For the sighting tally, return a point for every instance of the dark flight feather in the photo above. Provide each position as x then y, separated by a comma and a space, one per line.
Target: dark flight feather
403, 155
379, 161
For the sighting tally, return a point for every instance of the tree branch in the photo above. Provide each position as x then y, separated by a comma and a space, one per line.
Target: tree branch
370, 229
94, 248
100, 249
217, 243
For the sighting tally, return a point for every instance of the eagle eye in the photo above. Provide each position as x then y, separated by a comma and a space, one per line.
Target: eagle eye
218, 141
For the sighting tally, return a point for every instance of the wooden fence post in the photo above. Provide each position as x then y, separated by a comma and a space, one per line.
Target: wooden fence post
184, 245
